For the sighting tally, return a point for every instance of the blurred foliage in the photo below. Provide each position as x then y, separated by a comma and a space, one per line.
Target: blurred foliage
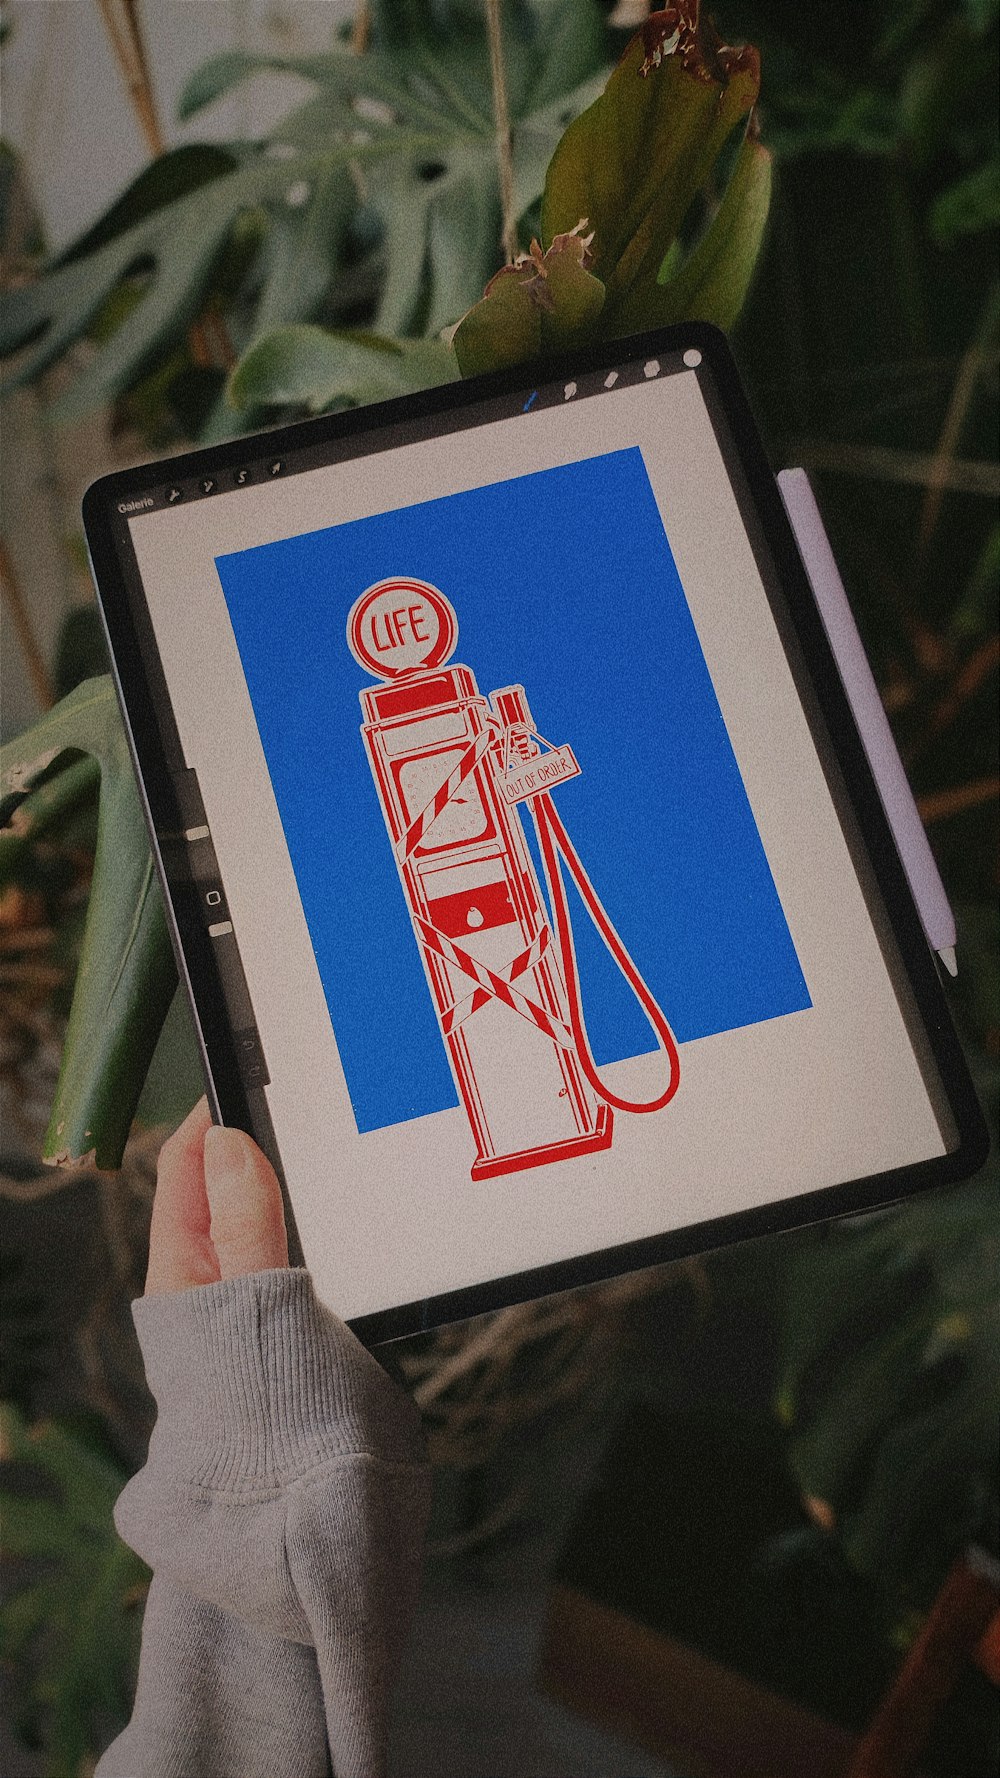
889, 1382
881, 78
659, 132
870, 349
870, 344
425, 82
377, 199
377, 195
70, 1616
126, 974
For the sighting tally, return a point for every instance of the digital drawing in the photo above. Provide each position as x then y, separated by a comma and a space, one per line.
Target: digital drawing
565, 583
451, 767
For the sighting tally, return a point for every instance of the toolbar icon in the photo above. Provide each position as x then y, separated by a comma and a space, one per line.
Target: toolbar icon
172, 495
276, 467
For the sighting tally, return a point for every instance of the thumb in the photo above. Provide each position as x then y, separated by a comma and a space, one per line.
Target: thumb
247, 1217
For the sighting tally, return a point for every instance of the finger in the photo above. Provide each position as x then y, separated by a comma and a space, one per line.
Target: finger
180, 1247
245, 1207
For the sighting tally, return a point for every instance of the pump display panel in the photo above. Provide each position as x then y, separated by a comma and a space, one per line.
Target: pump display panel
537, 909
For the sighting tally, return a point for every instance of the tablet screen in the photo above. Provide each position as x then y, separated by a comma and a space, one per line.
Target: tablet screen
554, 930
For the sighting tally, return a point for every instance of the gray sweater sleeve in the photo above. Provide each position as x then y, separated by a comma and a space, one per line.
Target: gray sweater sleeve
282, 1510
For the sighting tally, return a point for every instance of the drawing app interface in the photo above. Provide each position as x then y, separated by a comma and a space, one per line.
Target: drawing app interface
550, 928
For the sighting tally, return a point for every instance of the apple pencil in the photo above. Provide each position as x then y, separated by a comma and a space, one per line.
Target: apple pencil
922, 872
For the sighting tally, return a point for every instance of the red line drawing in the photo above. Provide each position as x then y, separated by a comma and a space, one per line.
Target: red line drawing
450, 767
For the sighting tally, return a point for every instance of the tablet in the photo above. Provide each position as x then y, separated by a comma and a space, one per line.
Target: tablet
537, 909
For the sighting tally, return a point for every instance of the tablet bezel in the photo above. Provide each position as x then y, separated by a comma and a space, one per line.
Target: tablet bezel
145, 704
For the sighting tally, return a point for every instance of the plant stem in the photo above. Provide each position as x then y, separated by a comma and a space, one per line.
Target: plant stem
38, 673
973, 361
361, 29
501, 113
127, 41
124, 29
882, 463
940, 805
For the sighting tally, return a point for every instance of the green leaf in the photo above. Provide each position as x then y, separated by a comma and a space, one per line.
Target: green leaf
170, 177
306, 366
462, 230
626, 173
538, 303
713, 281
222, 73
969, 206
24, 1614
504, 328
405, 200
174, 253
126, 976
634, 162
176, 1080
981, 14
303, 245
20, 226
31, 816
566, 47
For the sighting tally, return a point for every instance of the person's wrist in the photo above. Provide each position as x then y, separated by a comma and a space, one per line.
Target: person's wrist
255, 1380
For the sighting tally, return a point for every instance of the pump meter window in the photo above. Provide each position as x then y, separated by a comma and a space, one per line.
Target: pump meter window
542, 918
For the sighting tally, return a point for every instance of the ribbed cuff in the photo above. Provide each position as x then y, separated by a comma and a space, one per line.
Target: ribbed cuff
255, 1381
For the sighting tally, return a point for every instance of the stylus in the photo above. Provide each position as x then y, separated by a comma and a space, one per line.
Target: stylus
922, 873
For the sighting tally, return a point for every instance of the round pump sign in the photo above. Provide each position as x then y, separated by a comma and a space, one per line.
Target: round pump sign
401, 625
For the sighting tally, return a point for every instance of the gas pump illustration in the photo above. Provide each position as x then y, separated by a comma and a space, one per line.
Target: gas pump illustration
450, 768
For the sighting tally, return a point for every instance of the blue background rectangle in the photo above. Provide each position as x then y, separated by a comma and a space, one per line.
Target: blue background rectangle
564, 582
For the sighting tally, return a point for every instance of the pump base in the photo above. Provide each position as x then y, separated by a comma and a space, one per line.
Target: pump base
490, 1166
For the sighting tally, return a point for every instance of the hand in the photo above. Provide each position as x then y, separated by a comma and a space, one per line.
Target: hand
217, 1212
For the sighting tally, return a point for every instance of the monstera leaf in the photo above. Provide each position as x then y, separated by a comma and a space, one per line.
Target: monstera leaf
425, 90
264, 230
153, 275
126, 975
309, 367
618, 192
